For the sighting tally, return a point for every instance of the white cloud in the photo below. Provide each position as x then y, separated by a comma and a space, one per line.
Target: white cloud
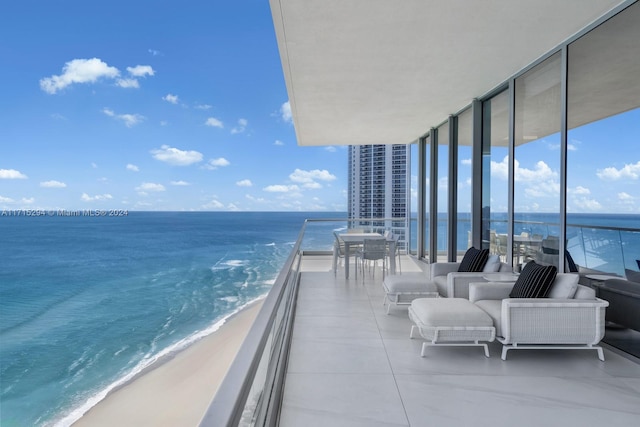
6, 200
278, 142
214, 164
154, 52
631, 171
587, 204
203, 106
303, 176
150, 186
141, 71
175, 156
466, 162
133, 168
180, 183
97, 197
242, 125
128, 83
244, 183
625, 196
330, 149
128, 119
171, 98
11, 174
53, 184
213, 204
312, 185
285, 112
213, 122
79, 71
580, 190
541, 171
281, 188
93, 165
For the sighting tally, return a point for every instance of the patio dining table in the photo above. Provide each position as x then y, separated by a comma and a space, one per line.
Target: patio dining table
354, 239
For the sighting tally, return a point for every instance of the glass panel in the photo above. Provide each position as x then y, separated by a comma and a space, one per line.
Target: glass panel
427, 191
442, 194
465, 144
536, 197
412, 245
495, 173
603, 163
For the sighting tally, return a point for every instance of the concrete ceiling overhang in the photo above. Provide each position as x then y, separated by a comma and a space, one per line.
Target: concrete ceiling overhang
385, 71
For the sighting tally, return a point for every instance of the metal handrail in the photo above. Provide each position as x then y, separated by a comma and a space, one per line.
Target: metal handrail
227, 406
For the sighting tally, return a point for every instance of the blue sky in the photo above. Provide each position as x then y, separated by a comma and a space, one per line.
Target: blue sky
167, 105
153, 105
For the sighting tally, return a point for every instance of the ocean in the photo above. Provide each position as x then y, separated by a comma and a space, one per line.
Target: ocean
88, 302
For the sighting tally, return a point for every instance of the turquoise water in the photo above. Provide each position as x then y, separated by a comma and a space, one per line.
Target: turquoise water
86, 303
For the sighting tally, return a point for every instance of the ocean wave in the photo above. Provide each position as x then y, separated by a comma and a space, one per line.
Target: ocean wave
145, 364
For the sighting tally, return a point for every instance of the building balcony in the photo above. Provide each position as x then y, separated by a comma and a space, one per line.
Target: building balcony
323, 351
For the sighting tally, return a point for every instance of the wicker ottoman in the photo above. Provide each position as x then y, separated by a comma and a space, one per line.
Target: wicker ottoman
401, 289
451, 321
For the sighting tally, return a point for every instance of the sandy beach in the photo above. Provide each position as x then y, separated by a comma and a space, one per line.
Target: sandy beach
176, 392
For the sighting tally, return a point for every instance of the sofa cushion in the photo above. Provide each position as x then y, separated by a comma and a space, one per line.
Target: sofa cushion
564, 286
408, 283
632, 276
449, 312
492, 265
494, 309
441, 284
534, 281
474, 259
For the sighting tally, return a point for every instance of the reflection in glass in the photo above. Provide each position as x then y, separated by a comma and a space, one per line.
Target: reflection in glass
465, 144
536, 196
495, 168
442, 191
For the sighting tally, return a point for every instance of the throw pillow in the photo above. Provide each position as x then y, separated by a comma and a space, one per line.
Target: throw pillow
632, 276
474, 259
534, 281
573, 268
492, 265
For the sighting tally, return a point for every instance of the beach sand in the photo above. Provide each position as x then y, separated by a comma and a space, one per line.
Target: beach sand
176, 392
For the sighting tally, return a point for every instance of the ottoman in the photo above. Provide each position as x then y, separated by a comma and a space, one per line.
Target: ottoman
401, 289
451, 321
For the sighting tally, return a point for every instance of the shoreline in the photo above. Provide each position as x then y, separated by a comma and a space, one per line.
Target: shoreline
178, 389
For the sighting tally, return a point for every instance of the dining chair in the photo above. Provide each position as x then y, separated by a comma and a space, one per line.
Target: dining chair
338, 252
373, 249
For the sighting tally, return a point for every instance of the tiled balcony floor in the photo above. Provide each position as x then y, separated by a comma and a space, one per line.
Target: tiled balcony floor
351, 364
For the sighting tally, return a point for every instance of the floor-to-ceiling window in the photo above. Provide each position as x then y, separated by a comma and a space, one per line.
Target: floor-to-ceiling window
536, 195
412, 212
442, 192
426, 202
603, 163
464, 162
495, 173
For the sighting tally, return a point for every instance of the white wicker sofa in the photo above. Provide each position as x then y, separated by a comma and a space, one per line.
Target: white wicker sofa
571, 317
454, 284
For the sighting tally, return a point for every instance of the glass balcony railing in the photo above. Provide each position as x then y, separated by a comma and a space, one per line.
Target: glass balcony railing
252, 390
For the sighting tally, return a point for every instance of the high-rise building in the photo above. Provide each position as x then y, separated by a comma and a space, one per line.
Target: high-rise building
378, 184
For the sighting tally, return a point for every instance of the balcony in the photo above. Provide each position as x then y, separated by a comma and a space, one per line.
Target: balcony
324, 352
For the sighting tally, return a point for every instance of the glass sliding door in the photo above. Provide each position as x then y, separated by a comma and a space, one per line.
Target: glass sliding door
603, 159
495, 173
536, 229
427, 192
464, 162
442, 193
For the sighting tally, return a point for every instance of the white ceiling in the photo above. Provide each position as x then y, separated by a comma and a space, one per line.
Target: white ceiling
385, 71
